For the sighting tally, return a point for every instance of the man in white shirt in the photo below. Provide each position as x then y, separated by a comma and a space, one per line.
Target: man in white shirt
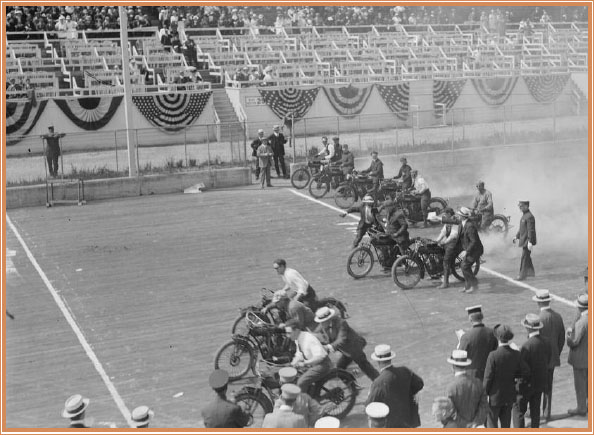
295, 285
310, 355
421, 188
448, 239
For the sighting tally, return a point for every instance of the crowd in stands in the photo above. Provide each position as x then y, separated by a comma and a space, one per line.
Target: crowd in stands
48, 18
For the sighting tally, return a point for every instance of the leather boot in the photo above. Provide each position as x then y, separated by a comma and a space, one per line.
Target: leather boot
446, 280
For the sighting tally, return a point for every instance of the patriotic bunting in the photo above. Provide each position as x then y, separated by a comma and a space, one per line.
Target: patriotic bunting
495, 91
21, 117
90, 113
284, 102
349, 100
172, 112
396, 98
546, 89
446, 93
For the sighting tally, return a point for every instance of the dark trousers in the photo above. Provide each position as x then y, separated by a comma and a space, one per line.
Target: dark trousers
361, 230
257, 167
580, 383
500, 414
266, 176
425, 200
466, 267
526, 266
314, 374
278, 159
487, 218
361, 360
52, 164
547, 396
531, 400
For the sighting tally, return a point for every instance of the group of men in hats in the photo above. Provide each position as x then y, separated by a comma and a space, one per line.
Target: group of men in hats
75, 409
267, 150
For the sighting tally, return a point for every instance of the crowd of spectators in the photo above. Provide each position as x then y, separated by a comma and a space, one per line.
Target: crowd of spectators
47, 18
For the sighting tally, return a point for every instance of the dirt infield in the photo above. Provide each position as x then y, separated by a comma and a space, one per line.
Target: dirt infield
154, 284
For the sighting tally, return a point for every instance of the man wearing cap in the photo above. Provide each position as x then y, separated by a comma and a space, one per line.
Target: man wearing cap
396, 225
255, 145
52, 149
221, 413
335, 150
295, 284
404, 173
304, 405
141, 416
536, 353
310, 355
504, 370
470, 242
478, 342
526, 239
277, 142
327, 422
347, 161
421, 188
448, 239
553, 330
375, 171
396, 387
344, 339
577, 340
74, 409
325, 148
483, 203
265, 154
467, 394
377, 413
285, 417
368, 219
293, 309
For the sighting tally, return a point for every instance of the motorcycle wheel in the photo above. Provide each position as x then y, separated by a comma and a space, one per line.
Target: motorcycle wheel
273, 316
437, 205
406, 272
498, 225
256, 406
457, 271
360, 262
336, 393
345, 197
300, 178
318, 189
236, 358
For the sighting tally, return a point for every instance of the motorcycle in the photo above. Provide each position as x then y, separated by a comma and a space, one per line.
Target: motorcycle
330, 176
411, 206
301, 177
424, 256
358, 185
499, 223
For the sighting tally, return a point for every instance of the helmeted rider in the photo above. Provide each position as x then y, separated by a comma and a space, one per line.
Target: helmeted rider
368, 217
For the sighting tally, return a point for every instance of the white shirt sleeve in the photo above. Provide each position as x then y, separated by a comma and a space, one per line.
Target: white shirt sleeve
295, 280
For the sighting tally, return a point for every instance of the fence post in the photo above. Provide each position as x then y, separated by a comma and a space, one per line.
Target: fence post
208, 145
137, 146
396, 134
305, 135
554, 123
504, 120
115, 138
359, 129
337, 126
245, 141
463, 124
453, 132
230, 140
186, 145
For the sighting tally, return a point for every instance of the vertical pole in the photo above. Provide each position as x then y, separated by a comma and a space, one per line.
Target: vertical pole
463, 124
230, 140
137, 156
208, 145
305, 135
554, 123
337, 127
115, 141
245, 159
504, 121
359, 128
293, 137
186, 145
132, 158
453, 132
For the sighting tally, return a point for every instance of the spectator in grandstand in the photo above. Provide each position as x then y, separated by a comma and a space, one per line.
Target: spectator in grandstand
62, 27
74, 409
52, 150
268, 74
141, 417
71, 28
242, 75
190, 53
277, 142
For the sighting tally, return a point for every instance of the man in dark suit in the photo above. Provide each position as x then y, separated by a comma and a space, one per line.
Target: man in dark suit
52, 150
479, 341
504, 369
469, 241
526, 239
577, 340
553, 330
221, 413
375, 171
277, 142
536, 353
255, 145
339, 336
404, 173
396, 387
368, 217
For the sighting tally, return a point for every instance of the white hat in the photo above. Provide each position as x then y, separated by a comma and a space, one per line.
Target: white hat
141, 416
383, 352
459, 358
464, 212
323, 314
75, 405
542, 296
531, 321
260, 130
290, 391
377, 410
276, 127
327, 423
287, 374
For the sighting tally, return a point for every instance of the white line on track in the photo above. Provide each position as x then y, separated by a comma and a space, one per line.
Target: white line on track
75, 328
490, 271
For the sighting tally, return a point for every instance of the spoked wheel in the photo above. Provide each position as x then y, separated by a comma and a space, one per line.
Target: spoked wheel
235, 357
406, 272
273, 316
457, 269
336, 394
256, 406
345, 197
437, 205
239, 326
360, 262
499, 225
318, 188
300, 178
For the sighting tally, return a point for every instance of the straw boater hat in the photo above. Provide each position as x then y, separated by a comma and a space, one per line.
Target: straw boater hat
459, 358
582, 300
542, 296
287, 375
377, 410
75, 405
383, 352
327, 423
141, 416
532, 321
464, 212
324, 313
474, 309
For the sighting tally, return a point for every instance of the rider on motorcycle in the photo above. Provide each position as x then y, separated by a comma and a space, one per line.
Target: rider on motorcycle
375, 171
347, 161
483, 203
294, 282
293, 309
448, 239
396, 227
421, 188
404, 173
368, 217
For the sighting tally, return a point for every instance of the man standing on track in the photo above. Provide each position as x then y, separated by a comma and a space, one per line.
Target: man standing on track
470, 242
221, 413
368, 217
577, 340
277, 142
526, 239
52, 150
265, 155
478, 342
255, 145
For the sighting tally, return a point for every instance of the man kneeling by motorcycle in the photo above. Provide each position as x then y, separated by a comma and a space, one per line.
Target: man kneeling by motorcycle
448, 239
396, 228
368, 217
